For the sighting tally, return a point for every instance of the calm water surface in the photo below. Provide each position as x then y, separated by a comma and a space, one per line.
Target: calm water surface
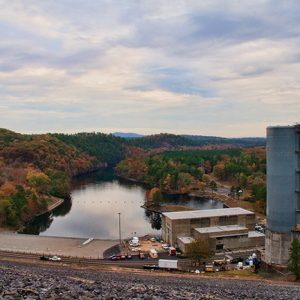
95, 203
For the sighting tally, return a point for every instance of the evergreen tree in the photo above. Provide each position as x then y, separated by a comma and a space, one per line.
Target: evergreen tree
294, 260
213, 186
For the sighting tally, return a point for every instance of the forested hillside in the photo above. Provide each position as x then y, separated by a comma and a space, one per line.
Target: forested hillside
172, 141
106, 148
33, 170
36, 168
181, 172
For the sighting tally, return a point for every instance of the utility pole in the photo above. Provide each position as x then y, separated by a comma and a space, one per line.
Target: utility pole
119, 228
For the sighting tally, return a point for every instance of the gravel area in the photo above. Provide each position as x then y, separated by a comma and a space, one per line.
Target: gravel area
25, 281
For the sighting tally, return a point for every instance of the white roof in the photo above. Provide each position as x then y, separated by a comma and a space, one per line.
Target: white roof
252, 234
186, 239
217, 229
207, 213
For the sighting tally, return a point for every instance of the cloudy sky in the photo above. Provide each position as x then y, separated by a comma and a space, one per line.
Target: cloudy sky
226, 68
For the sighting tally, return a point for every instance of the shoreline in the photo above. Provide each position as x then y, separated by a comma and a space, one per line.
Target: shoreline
225, 199
51, 207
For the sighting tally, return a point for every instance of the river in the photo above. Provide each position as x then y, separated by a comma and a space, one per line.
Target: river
93, 210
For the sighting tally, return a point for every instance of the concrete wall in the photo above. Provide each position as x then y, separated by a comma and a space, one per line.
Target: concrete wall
247, 221
277, 247
180, 228
181, 245
166, 232
239, 242
171, 229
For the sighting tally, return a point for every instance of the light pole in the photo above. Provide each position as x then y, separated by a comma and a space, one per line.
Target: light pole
119, 228
239, 193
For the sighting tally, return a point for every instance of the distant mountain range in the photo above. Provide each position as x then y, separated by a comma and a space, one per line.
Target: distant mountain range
172, 140
127, 135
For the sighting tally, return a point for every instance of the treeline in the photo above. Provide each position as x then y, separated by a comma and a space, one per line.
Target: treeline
173, 171
105, 147
36, 168
185, 171
33, 170
172, 141
247, 172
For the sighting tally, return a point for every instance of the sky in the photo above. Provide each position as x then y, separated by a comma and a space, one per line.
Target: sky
227, 68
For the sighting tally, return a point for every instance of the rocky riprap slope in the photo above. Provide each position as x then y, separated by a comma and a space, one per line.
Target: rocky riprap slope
22, 281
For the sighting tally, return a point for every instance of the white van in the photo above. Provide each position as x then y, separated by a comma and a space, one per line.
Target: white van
134, 242
153, 253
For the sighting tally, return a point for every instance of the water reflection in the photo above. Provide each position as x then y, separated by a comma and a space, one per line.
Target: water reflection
96, 201
154, 219
42, 223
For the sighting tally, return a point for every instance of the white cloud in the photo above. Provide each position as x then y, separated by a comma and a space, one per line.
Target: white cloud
207, 67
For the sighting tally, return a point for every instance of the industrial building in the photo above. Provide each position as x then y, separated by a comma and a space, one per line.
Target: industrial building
225, 228
283, 192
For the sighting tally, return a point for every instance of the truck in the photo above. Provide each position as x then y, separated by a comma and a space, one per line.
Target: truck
153, 253
209, 268
169, 264
172, 251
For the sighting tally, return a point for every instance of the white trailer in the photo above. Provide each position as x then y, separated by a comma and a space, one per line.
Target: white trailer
153, 253
168, 264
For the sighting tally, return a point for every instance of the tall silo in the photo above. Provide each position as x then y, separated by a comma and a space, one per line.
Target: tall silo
283, 192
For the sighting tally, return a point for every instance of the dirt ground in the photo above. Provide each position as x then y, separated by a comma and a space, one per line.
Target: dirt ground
147, 245
54, 245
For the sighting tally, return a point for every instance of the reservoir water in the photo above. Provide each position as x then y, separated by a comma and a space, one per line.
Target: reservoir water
95, 203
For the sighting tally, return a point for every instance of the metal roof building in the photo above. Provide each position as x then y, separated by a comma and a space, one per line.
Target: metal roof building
207, 213
223, 228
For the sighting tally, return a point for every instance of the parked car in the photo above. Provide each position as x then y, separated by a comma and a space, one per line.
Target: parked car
115, 257
165, 246
44, 257
134, 244
135, 249
259, 228
219, 262
123, 256
55, 258
142, 255
157, 238
129, 256
209, 268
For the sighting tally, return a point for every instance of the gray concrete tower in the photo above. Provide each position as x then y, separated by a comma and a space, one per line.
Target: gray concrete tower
283, 192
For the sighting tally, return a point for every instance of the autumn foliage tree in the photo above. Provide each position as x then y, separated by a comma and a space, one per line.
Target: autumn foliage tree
198, 250
33, 169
